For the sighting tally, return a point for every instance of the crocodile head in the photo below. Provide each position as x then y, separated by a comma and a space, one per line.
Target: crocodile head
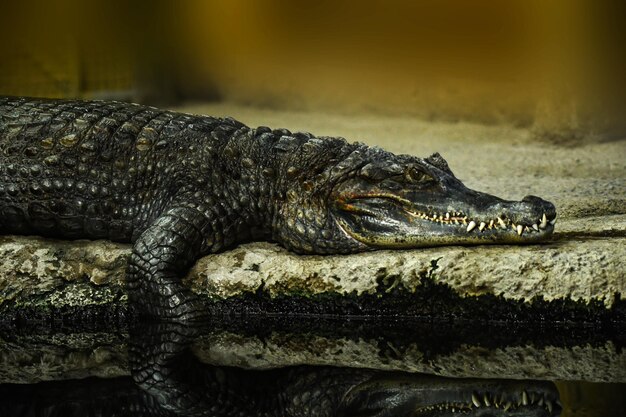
431, 396
375, 199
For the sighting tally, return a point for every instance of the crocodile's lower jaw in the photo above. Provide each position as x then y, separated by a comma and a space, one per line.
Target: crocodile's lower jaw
446, 236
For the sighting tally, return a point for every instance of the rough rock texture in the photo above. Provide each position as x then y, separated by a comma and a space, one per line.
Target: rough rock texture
37, 272
577, 265
576, 268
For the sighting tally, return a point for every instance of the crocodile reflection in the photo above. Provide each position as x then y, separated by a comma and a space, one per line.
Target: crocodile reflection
164, 367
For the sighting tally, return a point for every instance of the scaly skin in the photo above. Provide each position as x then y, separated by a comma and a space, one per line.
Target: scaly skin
181, 186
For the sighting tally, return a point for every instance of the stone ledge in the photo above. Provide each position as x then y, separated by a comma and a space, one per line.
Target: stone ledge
585, 262
579, 268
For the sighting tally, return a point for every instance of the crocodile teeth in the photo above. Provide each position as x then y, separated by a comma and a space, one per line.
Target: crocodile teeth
524, 398
482, 226
549, 406
502, 224
475, 400
471, 226
490, 223
508, 405
536, 227
486, 400
544, 222
553, 221
447, 216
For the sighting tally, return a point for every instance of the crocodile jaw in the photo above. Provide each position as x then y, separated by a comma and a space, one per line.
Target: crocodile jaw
393, 222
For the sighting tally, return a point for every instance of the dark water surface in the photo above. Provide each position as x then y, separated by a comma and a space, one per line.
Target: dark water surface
158, 369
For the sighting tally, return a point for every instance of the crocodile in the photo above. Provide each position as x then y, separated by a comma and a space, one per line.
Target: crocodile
179, 186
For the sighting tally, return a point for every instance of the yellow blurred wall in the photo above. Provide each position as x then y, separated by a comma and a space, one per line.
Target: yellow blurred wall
526, 62
72, 48
556, 65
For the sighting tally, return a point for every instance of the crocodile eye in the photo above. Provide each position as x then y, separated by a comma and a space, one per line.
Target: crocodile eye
415, 176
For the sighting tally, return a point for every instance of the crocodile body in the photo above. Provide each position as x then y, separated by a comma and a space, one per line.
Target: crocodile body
180, 186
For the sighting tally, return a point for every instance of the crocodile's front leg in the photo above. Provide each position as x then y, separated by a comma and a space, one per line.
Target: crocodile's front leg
161, 255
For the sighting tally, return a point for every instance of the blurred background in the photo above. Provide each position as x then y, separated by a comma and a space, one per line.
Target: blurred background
556, 67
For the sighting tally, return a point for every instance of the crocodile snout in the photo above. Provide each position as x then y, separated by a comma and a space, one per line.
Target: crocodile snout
540, 206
